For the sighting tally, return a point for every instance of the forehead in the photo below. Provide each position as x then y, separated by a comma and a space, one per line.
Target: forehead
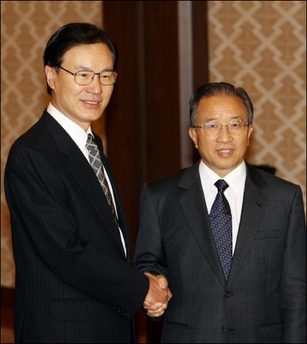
222, 105
88, 52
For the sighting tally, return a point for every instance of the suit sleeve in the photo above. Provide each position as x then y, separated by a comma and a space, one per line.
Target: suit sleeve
148, 252
293, 283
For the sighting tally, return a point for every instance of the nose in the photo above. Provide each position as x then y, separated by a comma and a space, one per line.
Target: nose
224, 134
95, 86
224, 126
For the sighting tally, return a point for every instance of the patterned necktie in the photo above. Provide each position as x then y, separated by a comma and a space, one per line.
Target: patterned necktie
97, 166
221, 225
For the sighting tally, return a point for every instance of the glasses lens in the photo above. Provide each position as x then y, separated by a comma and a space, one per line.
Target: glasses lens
84, 77
212, 127
108, 78
235, 126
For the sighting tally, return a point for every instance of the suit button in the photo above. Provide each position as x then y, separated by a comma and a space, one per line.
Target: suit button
227, 294
120, 309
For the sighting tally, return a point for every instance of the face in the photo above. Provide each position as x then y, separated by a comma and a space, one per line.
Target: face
81, 104
221, 152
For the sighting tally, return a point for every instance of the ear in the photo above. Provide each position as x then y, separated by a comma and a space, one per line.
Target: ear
193, 136
250, 129
50, 76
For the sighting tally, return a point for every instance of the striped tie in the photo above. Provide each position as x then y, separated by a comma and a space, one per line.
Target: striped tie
97, 166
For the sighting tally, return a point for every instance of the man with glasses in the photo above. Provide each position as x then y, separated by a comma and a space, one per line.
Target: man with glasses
74, 283
230, 239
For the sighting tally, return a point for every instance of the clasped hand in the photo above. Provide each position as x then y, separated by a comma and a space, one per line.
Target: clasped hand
158, 295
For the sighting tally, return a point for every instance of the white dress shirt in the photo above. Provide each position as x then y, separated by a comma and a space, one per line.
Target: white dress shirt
234, 193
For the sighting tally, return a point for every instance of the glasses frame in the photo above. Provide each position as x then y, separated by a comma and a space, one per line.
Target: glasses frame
88, 70
221, 126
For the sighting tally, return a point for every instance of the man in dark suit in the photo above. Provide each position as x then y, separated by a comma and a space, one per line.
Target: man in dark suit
262, 299
74, 283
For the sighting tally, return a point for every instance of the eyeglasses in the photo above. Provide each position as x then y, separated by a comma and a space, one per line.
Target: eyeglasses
213, 128
85, 77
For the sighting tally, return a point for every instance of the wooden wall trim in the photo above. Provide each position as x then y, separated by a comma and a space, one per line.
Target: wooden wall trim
144, 127
142, 119
200, 43
7, 296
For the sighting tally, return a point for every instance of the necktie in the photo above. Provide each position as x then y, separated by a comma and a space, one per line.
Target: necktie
221, 225
97, 166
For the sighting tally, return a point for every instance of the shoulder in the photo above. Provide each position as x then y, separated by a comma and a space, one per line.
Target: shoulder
36, 134
270, 183
178, 180
42, 143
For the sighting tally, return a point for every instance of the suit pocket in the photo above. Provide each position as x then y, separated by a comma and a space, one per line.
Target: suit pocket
175, 333
81, 308
268, 234
175, 328
271, 333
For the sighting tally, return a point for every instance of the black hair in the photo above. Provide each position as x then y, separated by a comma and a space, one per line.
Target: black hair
74, 34
219, 88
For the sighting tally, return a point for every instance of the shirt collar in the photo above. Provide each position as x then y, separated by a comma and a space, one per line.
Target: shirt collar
78, 134
235, 179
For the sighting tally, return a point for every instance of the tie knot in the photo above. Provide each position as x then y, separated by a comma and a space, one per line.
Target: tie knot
90, 139
221, 185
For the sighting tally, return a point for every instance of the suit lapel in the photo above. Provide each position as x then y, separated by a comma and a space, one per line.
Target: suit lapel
82, 172
119, 207
254, 205
195, 210
196, 213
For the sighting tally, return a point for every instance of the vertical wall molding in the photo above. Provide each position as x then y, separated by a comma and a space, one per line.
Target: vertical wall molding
162, 55
185, 77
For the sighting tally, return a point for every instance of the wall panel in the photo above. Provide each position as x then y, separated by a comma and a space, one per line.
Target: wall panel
25, 28
261, 45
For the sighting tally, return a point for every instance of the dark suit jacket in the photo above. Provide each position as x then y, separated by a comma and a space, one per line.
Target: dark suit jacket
264, 300
73, 281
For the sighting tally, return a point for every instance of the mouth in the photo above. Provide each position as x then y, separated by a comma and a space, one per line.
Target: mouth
91, 102
225, 152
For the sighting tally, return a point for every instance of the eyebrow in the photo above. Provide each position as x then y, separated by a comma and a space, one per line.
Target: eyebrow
88, 68
215, 119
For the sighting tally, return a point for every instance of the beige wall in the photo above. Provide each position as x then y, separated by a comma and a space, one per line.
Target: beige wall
25, 29
260, 45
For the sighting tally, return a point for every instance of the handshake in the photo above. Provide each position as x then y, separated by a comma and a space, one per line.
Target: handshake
158, 295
